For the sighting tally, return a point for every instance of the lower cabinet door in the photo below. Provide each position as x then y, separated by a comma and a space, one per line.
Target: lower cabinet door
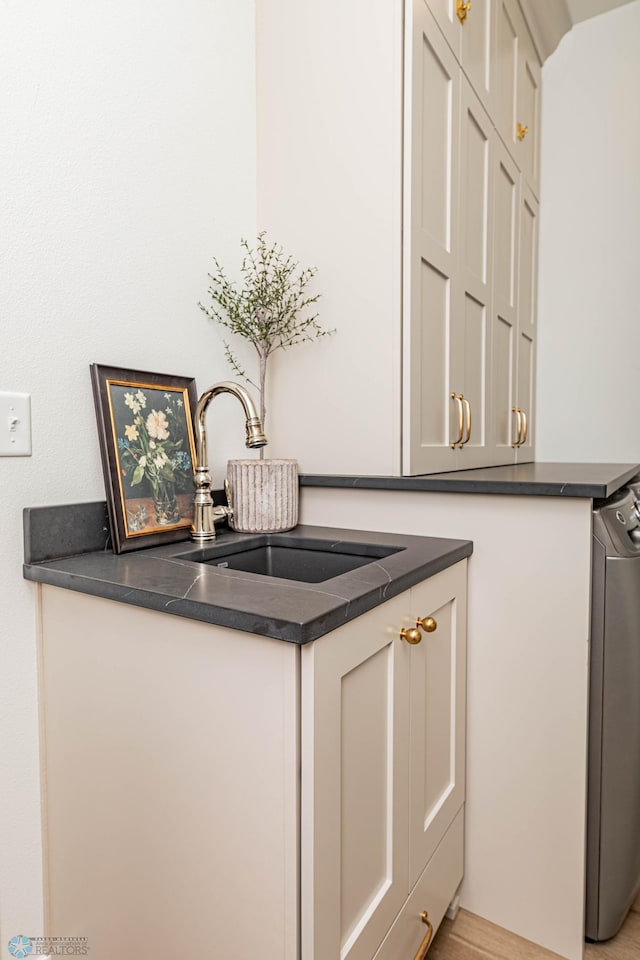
354, 803
427, 904
382, 748
438, 714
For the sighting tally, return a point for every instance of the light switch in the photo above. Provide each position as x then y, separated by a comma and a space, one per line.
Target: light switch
15, 424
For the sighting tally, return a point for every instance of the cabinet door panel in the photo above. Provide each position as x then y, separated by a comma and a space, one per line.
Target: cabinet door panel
432, 894
527, 319
504, 336
525, 393
432, 263
438, 114
476, 382
364, 707
475, 184
527, 149
505, 302
505, 255
528, 271
478, 57
472, 41
354, 787
506, 70
444, 12
518, 76
434, 353
473, 308
437, 714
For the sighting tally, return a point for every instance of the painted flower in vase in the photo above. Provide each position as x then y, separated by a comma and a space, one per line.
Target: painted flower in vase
153, 458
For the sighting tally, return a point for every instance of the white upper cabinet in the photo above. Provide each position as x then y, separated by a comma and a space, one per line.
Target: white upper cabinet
469, 275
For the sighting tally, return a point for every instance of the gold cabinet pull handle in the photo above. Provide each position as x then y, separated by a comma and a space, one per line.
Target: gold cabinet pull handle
467, 407
462, 9
428, 624
525, 428
458, 398
412, 635
521, 132
426, 943
518, 413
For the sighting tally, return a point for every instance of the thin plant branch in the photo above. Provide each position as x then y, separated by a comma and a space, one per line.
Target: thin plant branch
271, 309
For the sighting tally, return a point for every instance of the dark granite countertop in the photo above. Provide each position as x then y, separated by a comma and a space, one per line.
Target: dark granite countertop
69, 547
587, 480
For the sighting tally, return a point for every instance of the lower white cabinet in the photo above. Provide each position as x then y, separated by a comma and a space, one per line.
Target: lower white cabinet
383, 736
256, 797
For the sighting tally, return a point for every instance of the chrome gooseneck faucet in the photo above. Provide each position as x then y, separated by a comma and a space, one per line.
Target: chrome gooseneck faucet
204, 512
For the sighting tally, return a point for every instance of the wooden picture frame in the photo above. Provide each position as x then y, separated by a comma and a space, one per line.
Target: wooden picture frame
145, 428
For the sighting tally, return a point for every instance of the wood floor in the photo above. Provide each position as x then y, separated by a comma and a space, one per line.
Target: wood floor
470, 938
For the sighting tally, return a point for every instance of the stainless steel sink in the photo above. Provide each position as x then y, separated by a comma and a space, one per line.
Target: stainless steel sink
276, 555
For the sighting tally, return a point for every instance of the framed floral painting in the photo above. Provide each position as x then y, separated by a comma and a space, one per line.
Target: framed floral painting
145, 427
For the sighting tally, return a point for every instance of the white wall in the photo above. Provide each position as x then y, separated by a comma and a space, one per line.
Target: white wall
329, 175
127, 159
589, 329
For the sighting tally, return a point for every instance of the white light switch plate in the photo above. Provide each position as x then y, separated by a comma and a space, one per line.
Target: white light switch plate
15, 424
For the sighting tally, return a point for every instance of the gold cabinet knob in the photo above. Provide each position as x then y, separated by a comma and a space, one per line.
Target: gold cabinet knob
462, 9
412, 635
428, 624
521, 131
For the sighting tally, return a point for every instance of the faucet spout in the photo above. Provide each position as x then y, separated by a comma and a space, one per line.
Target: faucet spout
204, 513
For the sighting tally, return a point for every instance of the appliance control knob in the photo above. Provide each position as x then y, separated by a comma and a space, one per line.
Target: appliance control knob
634, 535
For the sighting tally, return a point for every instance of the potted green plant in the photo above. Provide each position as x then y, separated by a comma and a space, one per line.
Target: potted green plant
272, 310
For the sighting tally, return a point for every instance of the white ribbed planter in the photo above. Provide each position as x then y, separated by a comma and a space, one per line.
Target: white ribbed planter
264, 495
